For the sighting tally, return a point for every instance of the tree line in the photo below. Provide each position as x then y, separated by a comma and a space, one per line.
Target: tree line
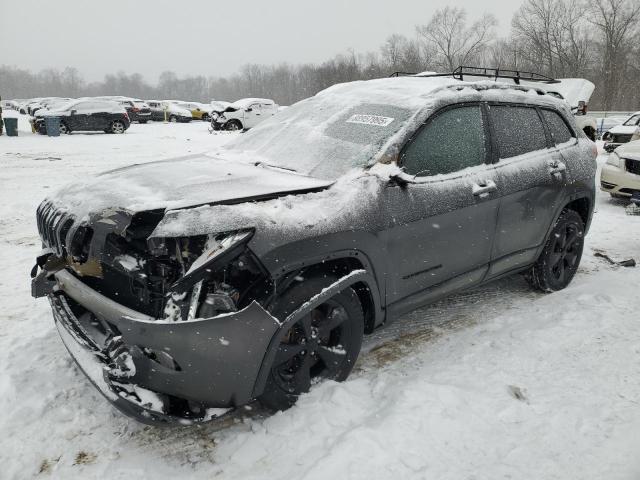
594, 39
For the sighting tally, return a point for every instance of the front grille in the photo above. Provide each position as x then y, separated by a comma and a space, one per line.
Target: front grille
53, 226
632, 166
622, 138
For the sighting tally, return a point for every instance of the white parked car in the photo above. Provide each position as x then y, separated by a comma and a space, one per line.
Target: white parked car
244, 114
625, 133
620, 176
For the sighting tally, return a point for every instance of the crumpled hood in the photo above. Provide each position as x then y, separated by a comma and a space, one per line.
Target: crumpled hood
178, 183
624, 129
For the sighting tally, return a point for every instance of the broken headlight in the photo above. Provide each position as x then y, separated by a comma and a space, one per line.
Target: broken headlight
216, 280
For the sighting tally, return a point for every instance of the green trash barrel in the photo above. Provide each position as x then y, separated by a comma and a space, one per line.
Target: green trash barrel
11, 124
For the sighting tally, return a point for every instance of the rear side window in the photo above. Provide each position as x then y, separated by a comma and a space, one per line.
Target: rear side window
518, 130
452, 141
560, 132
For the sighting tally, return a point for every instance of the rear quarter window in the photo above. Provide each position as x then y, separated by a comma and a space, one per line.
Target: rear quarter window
560, 132
518, 130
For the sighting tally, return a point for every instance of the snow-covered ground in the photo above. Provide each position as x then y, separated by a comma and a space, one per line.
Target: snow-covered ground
500, 382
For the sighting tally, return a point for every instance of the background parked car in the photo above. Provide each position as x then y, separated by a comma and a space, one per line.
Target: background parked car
620, 176
138, 110
174, 113
86, 115
627, 132
244, 114
199, 111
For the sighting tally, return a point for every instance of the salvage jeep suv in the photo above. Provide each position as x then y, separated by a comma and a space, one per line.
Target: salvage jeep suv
186, 288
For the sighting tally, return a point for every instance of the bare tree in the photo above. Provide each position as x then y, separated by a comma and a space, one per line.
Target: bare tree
553, 36
617, 22
453, 42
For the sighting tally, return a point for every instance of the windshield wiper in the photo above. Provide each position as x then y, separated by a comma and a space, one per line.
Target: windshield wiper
257, 164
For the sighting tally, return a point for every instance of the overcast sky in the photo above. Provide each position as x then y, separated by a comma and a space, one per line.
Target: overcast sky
207, 37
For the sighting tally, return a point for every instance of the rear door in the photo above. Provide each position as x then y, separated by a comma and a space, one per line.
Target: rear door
442, 224
532, 177
78, 118
100, 118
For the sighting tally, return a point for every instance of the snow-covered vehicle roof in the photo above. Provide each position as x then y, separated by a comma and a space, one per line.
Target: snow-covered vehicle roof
65, 108
246, 102
360, 123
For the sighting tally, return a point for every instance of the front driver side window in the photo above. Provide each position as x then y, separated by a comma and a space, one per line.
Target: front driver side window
451, 141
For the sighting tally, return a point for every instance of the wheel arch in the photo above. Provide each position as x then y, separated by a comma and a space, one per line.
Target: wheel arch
339, 264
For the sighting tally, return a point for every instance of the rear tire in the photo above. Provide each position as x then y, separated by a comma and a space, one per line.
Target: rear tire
173, 119
64, 129
561, 256
322, 345
117, 127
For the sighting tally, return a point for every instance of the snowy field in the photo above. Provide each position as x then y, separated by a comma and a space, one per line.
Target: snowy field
497, 383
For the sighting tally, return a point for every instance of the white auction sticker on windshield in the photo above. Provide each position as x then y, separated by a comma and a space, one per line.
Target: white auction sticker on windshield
370, 120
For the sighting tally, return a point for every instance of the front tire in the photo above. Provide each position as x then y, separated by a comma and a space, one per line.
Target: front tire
322, 345
559, 261
64, 129
173, 119
233, 126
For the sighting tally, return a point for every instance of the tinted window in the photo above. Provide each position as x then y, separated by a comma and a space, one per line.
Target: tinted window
559, 130
453, 140
518, 129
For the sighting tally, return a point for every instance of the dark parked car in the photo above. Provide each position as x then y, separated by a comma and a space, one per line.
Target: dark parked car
86, 115
137, 110
186, 288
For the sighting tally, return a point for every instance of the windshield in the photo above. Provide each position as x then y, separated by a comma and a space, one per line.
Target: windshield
632, 121
323, 136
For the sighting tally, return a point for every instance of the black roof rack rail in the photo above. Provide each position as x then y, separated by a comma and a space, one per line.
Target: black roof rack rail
495, 73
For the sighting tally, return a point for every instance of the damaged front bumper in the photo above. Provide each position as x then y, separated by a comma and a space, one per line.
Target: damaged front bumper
161, 371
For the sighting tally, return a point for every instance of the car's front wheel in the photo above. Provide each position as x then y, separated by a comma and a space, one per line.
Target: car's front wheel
561, 256
233, 125
117, 127
64, 129
173, 119
324, 344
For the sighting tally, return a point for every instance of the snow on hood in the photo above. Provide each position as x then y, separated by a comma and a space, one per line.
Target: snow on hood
177, 183
629, 150
343, 204
624, 129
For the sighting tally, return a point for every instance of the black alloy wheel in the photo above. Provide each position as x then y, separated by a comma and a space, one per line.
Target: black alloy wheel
322, 345
559, 261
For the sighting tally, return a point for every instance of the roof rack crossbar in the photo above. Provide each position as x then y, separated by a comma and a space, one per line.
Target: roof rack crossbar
495, 73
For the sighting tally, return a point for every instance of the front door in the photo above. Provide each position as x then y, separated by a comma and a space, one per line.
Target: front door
442, 224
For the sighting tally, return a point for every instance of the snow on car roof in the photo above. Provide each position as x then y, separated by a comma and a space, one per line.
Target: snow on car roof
245, 102
360, 123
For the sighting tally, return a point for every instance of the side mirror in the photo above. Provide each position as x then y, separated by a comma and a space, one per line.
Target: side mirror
401, 179
249, 109
74, 111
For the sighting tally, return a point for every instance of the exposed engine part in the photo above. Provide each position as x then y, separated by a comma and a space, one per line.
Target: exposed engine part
223, 300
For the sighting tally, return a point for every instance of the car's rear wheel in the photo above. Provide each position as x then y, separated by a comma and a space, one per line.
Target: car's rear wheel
324, 344
117, 127
173, 119
64, 129
205, 117
233, 125
561, 256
